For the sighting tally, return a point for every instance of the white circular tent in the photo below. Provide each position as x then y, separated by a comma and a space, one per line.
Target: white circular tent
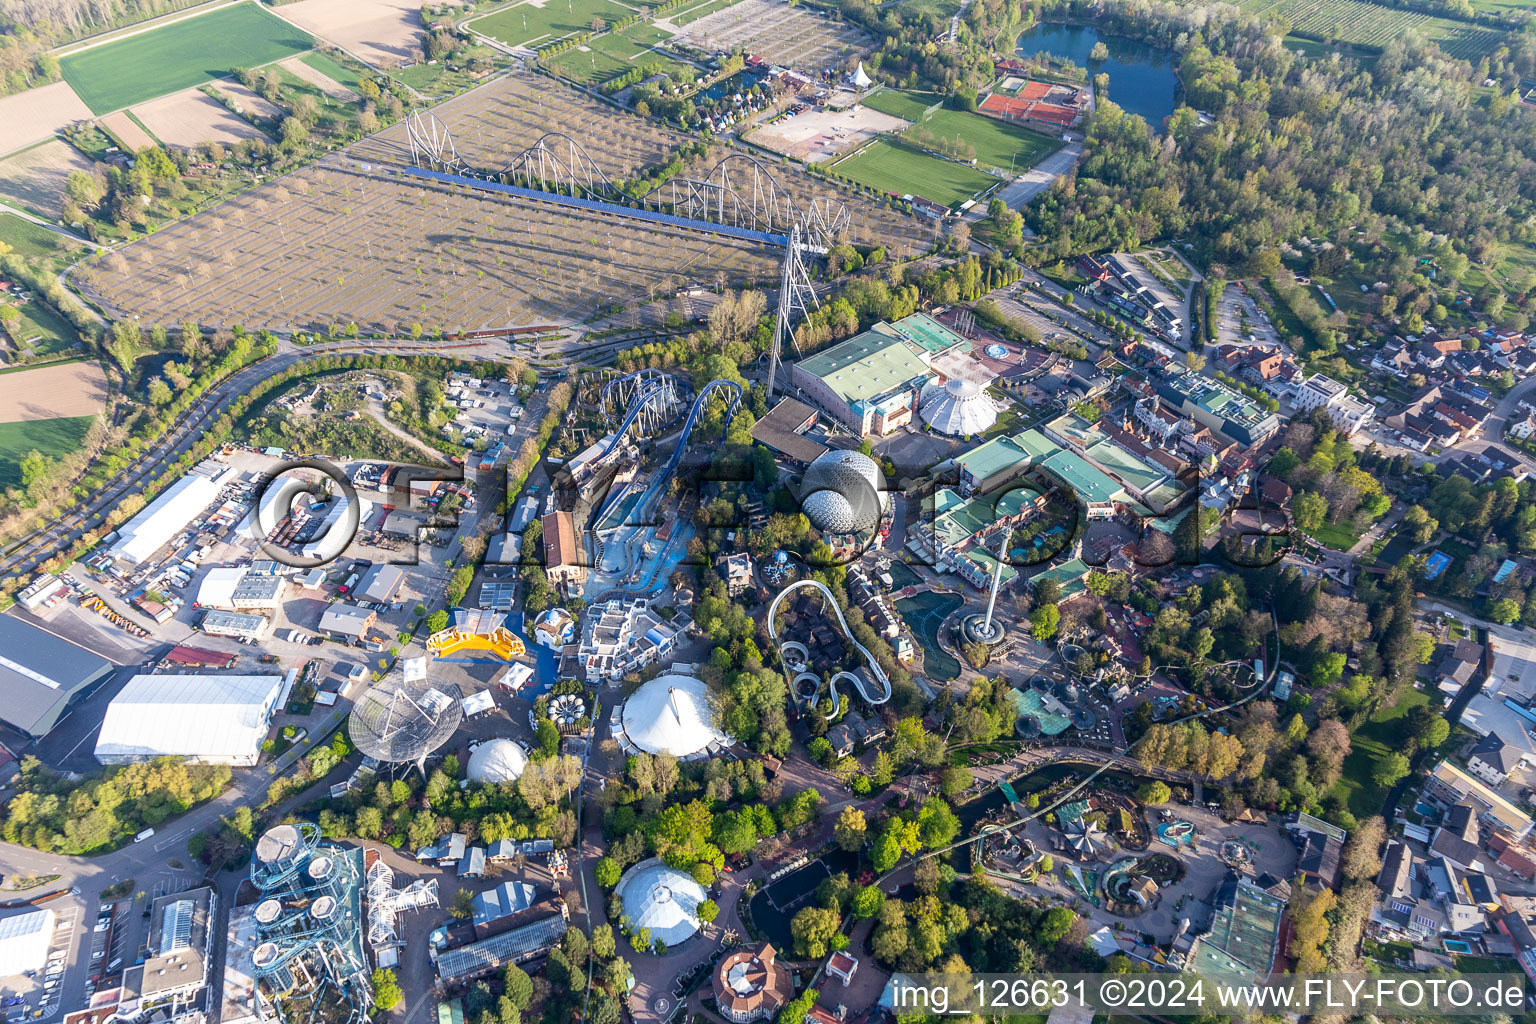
671, 714
661, 899
958, 408
841, 492
498, 760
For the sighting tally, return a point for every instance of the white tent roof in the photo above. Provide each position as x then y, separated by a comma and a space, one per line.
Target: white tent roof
498, 760
662, 899
958, 408
861, 77
218, 588
24, 941
477, 702
210, 717
165, 517
671, 715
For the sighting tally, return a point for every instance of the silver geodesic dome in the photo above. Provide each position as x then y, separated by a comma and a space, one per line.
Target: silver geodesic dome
841, 492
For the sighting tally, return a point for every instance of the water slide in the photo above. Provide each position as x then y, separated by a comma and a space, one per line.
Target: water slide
859, 682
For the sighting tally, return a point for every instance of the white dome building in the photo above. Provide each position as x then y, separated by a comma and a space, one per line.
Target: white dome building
841, 493
662, 899
671, 714
957, 407
495, 761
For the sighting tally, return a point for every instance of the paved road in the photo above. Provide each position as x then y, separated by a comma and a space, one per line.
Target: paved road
1020, 192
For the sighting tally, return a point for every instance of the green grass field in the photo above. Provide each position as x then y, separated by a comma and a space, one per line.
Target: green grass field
997, 144
1381, 735
54, 438
43, 331
611, 55
899, 169
333, 69
28, 239
527, 25
901, 102
180, 55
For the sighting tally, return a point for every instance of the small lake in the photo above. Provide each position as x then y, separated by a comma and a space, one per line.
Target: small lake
1143, 79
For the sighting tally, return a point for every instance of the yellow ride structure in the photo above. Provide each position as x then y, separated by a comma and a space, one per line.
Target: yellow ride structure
501, 642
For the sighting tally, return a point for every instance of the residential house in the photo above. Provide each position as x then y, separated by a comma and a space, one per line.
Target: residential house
1494, 759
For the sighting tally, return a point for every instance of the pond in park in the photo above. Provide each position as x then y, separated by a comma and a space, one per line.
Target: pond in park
775, 904
1143, 79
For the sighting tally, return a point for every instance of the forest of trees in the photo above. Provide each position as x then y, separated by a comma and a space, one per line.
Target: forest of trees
1299, 148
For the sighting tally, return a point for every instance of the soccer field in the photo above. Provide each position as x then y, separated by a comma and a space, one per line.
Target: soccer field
180, 55
53, 438
997, 144
536, 26
899, 169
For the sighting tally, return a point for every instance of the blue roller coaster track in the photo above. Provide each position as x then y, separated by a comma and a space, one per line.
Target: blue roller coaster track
699, 403
650, 385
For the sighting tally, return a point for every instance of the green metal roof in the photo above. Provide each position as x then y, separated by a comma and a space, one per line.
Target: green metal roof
996, 456
868, 365
1126, 466
924, 330
1091, 483
1069, 574
1036, 444
986, 562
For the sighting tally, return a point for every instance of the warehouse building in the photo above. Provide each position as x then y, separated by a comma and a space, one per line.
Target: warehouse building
42, 676
381, 583
212, 718
240, 625
347, 622
139, 539
241, 589
24, 941
872, 382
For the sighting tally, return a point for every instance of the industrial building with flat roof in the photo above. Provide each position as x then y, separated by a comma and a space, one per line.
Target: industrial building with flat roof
24, 940
235, 624
172, 512
215, 718
871, 383
42, 675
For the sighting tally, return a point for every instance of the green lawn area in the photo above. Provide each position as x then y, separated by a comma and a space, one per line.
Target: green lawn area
902, 102
43, 331
997, 144
1339, 536
611, 55
54, 437
646, 33
180, 55
899, 169
333, 68
26, 238
1381, 735
526, 24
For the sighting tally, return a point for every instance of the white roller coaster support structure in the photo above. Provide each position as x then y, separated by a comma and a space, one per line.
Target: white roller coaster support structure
795, 296
385, 901
869, 659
